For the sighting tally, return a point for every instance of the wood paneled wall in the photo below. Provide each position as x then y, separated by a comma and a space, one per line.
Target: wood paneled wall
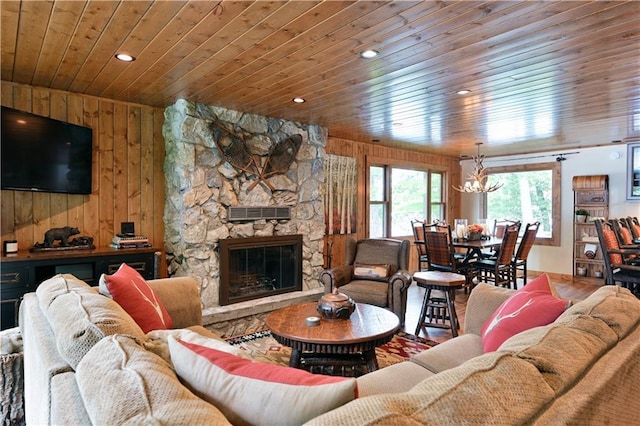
398, 157
128, 181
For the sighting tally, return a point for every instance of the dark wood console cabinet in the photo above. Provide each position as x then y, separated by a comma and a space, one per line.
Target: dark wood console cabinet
22, 272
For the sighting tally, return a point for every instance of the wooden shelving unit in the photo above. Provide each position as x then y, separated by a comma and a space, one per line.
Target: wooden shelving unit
590, 193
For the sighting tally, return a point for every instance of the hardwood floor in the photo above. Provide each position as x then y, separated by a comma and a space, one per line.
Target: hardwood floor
574, 288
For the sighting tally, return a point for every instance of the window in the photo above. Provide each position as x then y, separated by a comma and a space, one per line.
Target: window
398, 195
530, 193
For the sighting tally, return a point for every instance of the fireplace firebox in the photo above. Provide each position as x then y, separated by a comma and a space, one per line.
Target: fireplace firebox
255, 267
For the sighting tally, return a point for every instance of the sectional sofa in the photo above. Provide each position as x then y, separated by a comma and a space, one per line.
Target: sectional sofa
88, 362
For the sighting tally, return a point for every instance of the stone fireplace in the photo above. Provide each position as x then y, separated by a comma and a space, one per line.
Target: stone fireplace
201, 186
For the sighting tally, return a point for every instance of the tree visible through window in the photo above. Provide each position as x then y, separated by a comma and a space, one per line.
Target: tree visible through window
530, 193
399, 195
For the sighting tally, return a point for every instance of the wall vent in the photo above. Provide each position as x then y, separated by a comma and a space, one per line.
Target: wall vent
256, 213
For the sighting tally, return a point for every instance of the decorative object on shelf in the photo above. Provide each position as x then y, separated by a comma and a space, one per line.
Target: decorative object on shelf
581, 271
590, 250
335, 305
62, 235
581, 215
477, 182
134, 241
59, 234
10, 246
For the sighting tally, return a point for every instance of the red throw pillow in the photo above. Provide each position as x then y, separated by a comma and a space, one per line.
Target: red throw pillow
531, 306
131, 291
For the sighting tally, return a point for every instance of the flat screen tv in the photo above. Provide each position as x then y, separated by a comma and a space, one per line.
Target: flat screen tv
43, 154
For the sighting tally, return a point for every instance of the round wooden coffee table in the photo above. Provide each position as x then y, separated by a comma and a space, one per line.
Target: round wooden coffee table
337, 343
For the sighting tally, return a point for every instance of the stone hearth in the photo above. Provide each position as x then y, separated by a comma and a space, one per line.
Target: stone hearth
200, 185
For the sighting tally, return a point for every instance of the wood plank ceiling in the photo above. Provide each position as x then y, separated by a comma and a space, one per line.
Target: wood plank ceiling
541, 74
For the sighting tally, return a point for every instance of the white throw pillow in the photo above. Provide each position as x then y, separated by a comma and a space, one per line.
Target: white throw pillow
250, 392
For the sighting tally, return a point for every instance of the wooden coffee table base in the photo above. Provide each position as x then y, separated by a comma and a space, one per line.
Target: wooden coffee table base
343, 355
338, 347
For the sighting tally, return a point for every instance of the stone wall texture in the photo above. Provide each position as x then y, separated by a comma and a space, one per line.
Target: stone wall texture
200, 185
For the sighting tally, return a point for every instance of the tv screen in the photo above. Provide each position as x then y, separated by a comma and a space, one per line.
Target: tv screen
43, 154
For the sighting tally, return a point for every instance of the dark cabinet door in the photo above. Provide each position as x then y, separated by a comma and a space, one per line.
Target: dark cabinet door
14, 282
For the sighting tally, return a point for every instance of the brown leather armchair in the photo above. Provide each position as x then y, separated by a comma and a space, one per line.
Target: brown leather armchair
375, 272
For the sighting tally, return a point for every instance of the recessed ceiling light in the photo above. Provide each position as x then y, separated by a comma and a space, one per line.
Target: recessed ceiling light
298, 100
124, 57
368, 54
463, 92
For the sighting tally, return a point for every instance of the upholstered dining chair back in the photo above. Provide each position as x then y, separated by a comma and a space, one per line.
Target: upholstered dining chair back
508, 247
522, 253
440, 251
418, 227
500, 227
528, 238
619, 264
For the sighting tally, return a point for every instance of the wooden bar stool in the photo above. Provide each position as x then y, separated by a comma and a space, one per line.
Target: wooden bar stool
438, 309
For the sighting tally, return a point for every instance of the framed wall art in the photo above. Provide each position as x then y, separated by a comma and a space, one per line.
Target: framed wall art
633, 171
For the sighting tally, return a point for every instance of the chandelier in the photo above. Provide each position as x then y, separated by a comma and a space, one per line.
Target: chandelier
477, 182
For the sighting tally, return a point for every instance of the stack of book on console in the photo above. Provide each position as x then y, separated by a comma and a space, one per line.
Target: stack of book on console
129, 241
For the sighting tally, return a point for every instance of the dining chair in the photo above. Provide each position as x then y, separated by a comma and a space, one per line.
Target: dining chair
441, 254
445, 227
499, 270
615, 259
418, 227
623, 234
631, 224
501, 226
519, 262
499, 229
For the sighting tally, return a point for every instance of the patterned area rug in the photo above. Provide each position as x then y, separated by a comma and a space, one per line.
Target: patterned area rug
261, 346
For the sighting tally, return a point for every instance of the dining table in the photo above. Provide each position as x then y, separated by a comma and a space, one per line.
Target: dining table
474, 248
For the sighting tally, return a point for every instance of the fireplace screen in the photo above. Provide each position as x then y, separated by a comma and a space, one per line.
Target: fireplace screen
256, 267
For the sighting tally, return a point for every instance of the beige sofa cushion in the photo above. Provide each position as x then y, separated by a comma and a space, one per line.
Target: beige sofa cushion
450, 354
181, 297
58, 285
121, 383
395, 378
565, 349
483, 302
65, 397
477, 392
81, 317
